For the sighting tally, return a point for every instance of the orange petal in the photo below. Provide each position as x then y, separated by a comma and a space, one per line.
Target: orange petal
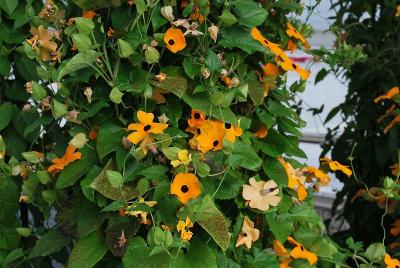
137, 136
145, 118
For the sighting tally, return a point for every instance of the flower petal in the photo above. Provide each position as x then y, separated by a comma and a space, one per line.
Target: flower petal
137, 136
145, 118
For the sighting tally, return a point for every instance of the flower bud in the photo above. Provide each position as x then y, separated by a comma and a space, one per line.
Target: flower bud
168, 13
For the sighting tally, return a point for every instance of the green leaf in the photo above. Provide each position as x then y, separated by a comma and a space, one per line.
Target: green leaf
116, 95
109, 139
73, 172
51, 242
84, 25
191, 68
375, 252
201, 102
13, 256
82, 42
114, 206
103, 186
303, 213
256, 90
250, 13
24, 232
151, 55
280, 225
275, 144
9, 195
262, 258
214, 222
77, 62
89, 219
175, 82
154, 172
199, 255
275, 171
38, 92
58, 109
115, 178
6, 111
9, 238
171, 152
124, 48
243, 155
141, 6
228, 18
9, 6
235, 37
32, 157
87, 251
213, 62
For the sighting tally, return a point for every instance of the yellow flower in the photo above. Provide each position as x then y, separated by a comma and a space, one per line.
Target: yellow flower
398, 11
270, 69
184, 158
296, 180
142, 214
148, 144
69, 157
185, 186
174, 40
335, 166
183, 227
279, 249
321, 176
395, 230
42, 38
248, 235
144, 127
261, 195
291, 46
197, 118
299, 252
391, 263
292, 32
388, 95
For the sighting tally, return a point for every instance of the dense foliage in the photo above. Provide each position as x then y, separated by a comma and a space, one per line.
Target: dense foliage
157, 134
370, 139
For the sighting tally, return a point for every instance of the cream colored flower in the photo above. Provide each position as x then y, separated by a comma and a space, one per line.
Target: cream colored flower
248, 235
213, 30
168, 13
261, 195
88, 93
184, 158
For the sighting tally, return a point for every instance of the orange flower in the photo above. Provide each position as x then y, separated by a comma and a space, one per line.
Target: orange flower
262, 132
388, 95
335, 166
89, 14
185, 186
211, 136
292, 32
59, 163
232, 132
398, 11
394, 122
110, 32
387, 113
391, 263
197, 118
270, 69
92, 135
279, 249
174, 40
284, 61
299, 252
144, 127
395, 230
248, 235
291, 46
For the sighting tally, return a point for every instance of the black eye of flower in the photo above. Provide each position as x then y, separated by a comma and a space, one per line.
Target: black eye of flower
228, 126
294, 66
171, 42
215, 143
184, 188
198, 131
146, 127
196, 116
